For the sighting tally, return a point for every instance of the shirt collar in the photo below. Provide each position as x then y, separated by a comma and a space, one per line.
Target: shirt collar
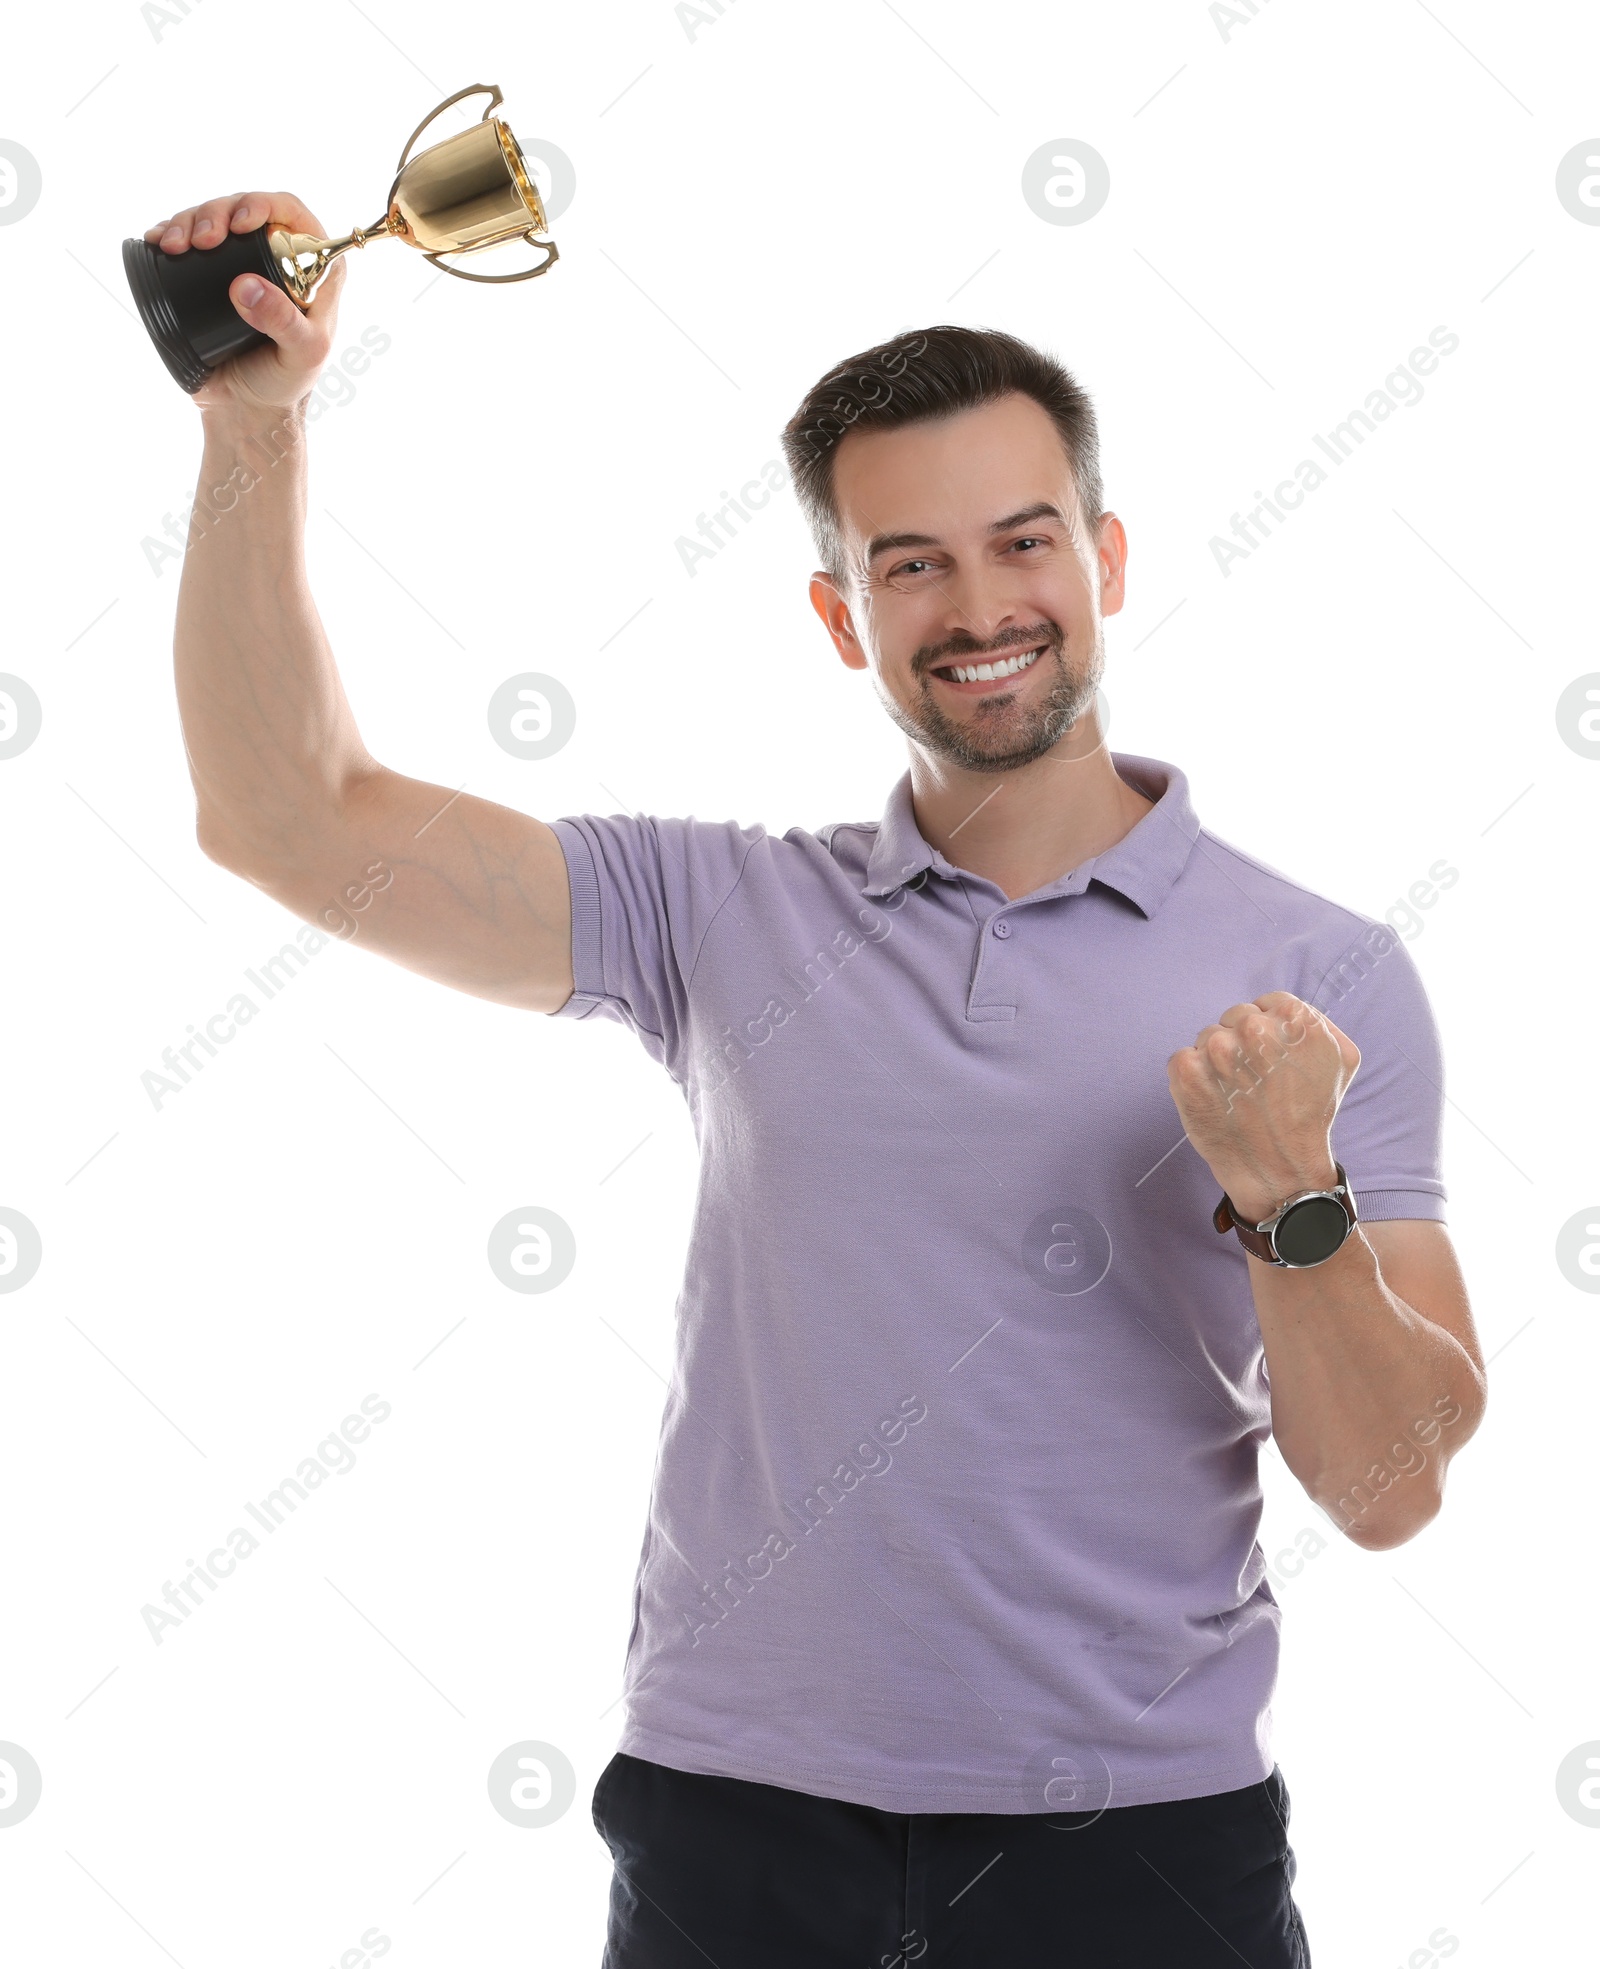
1143, 865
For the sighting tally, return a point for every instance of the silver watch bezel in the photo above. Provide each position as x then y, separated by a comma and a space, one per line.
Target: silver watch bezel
1338, 1194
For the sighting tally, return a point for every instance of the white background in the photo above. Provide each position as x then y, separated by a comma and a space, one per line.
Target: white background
1294, 205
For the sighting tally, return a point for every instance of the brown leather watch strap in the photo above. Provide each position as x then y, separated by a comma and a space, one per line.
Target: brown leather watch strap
1258, 1242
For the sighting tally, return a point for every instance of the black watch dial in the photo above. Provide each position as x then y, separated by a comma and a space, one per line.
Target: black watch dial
1309, 1232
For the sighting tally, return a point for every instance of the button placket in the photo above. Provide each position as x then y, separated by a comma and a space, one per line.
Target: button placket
981, 1009
1001, 929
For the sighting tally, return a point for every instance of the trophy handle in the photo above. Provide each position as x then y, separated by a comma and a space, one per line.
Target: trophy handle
501, 279
489, 89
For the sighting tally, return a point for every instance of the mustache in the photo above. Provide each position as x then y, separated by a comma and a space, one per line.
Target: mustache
960, 647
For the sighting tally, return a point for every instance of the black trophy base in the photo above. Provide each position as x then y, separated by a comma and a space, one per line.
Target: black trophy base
183, 302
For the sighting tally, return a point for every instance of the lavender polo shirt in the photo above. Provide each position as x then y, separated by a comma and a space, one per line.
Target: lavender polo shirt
956, 1500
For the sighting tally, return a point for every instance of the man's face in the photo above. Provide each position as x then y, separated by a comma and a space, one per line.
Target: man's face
964, 550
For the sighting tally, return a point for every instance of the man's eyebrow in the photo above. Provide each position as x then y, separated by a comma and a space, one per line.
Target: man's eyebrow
1041, 510
886, 543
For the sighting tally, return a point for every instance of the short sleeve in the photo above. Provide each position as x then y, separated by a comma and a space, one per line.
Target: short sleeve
1389, 1128
645, 891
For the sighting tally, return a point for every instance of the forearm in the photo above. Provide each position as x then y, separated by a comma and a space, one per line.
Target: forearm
269, 734
1369, 1398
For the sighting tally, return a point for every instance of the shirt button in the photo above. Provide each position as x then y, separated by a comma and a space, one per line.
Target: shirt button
1002, 928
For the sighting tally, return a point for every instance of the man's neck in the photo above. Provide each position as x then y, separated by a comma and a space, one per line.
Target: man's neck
1025, 829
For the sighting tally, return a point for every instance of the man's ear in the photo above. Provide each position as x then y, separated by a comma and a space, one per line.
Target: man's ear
1113, 551
835, 613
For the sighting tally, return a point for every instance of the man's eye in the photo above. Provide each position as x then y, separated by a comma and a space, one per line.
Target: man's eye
912, 567
1030, 540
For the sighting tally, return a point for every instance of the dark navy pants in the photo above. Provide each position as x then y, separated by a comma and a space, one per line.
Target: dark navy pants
719, 1871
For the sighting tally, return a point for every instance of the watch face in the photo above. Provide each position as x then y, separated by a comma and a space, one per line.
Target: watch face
1311, 1231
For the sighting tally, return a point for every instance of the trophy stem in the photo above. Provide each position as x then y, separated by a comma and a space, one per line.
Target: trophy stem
302, 259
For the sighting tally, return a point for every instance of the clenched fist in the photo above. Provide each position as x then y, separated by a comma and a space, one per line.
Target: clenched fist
1257, 1093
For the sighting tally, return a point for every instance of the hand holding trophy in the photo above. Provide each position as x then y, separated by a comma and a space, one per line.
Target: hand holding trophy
468, 192
288, 344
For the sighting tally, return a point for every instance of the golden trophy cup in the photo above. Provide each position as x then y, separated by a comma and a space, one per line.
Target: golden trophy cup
462, 195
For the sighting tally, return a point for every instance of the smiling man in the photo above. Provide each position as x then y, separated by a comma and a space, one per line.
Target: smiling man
1039, 1187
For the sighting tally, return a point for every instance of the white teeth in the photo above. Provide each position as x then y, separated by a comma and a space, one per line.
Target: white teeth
976, 673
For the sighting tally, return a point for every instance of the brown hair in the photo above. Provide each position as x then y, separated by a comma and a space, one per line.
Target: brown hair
933, 372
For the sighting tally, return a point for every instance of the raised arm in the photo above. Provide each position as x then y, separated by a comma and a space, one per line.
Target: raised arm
459, 888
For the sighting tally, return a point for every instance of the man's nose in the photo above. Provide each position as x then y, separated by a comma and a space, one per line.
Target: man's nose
981, 604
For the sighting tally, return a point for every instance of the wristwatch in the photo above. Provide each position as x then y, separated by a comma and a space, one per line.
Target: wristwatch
1305, 1231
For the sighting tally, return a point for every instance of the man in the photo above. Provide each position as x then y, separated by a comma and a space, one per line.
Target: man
952, 1638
